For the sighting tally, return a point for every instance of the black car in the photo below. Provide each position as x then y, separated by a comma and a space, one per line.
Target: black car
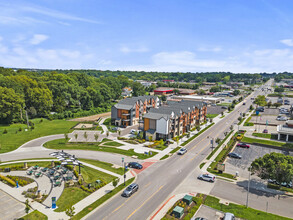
135, 165
234, 155
224, 107
132, 188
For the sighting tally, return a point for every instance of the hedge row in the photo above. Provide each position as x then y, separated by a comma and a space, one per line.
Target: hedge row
7, 180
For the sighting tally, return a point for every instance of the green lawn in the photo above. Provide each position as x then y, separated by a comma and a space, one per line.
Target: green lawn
104, 165
241, 211
69, 197
224, 104
247, 123
15, 138
261, 141
61, 144
171, 152
101, 200
90, 175
211, 115
35, 215
113, 144
268, 136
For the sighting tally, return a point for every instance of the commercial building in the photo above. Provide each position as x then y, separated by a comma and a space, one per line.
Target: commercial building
164, 91
173, 119
206, 99
129, 111
285, 132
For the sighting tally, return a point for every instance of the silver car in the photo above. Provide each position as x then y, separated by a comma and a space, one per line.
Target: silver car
182, 151
207, 177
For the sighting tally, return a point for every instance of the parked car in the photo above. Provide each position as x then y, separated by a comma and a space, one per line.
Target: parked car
198, 218
229, 216
224, 107
207, 177
234, 155
135, 165
265, 131
286, 102
132, 188
282, 118
132, 131
243, 145
182, 151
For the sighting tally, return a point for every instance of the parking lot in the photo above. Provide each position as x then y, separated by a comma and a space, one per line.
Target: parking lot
248, 155
10, 208
215, 110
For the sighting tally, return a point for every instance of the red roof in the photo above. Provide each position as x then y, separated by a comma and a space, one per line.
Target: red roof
167, 90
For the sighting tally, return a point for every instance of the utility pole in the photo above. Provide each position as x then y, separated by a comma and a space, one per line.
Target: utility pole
248, 189
26, 115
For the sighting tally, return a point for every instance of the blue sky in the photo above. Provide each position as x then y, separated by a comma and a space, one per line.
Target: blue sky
150, 35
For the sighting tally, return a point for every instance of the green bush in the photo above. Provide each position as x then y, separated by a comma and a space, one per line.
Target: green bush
7, 180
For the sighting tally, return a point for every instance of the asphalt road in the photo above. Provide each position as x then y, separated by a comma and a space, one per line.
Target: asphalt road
258, 199
159, 180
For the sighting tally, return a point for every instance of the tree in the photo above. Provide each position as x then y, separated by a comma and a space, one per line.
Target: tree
201, 92
137, 89
115, 182
260, 100
11, 104
66, 137
275, 166
119, 132
76, 136
231, 127
218, 140
96, 137
198, 128
150, 138
107, 133
236, 92
277, 105
85, 135
251, 107
27, 206
239, 119
215, 89
269, 104
163, 98
222, 113
70, 212
279, 89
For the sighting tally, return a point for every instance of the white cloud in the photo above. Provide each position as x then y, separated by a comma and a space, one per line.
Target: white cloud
141, 49
38, 38
288, 42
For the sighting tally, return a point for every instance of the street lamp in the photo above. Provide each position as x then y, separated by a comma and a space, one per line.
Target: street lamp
248, 186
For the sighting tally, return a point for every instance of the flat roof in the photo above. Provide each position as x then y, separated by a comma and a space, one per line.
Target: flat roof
195, 97
164, 89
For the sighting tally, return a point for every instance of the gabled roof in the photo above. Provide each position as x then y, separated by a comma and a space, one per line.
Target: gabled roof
129, 103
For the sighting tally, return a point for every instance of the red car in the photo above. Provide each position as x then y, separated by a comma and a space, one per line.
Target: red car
243, 145
265, 131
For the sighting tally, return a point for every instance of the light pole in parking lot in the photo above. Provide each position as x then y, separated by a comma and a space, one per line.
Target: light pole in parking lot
248, 187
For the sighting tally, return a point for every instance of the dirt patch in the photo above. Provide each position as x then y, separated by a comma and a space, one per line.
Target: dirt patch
92, 117
81, 125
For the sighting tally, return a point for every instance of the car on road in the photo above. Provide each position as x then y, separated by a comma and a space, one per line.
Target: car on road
265, 131
207, 177
198, 218
282, 118
182, 151
234, 155
244, 103
224, 107
243, 145
132, 188
135, 165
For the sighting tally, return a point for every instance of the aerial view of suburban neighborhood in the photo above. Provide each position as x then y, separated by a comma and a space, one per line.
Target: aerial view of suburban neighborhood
146, 110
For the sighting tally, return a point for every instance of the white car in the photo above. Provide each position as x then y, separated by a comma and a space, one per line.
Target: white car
182, 151
132, 131
207, 177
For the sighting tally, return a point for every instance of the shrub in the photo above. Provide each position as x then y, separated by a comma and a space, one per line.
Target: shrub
20, 129
5, 131
7, 180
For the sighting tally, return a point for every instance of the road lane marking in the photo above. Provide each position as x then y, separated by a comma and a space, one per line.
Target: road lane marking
147, 185
145, 202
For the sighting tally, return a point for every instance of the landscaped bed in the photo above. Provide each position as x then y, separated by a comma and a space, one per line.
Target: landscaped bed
61, 144
188, 209
35, 215
104, 165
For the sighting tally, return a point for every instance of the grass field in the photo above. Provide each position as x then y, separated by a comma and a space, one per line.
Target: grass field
15, 138
69, 197
61, 144
211, 115
113, 144
104, 165
268, 136
171, 152
241, 211
35, 215
261, 141
90, 175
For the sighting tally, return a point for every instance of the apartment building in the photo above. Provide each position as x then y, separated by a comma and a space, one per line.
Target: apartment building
129, 111
173, 119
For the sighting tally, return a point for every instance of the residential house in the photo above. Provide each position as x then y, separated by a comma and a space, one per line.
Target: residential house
126, 92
